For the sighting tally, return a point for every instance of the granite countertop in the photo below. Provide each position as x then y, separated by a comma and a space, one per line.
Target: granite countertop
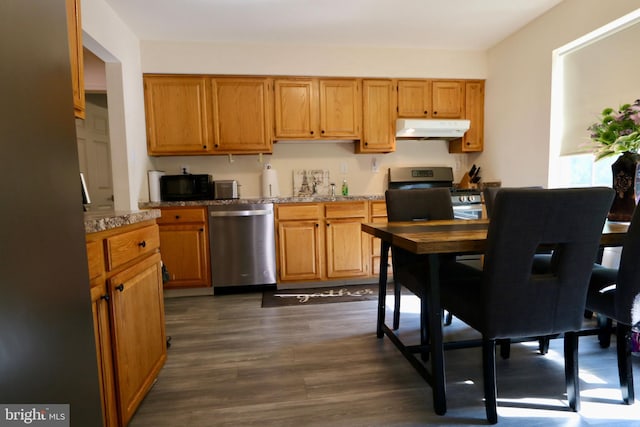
314, 199
105, 220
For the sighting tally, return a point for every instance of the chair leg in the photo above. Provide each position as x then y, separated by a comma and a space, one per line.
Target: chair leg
625, 366
448, 318
572, 379
543, 345
397, 290
605, 330
489, 377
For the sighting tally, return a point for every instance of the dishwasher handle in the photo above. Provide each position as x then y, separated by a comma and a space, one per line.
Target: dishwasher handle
256, 212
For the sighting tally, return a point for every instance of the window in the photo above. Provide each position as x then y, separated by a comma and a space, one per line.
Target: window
580, 170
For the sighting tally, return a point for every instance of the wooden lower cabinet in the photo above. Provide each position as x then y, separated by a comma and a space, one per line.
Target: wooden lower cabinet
321, 241
346, 245
299, 250
106, 374
299, 242
184, 245
128, 316
102, 332
378, 214
139, 344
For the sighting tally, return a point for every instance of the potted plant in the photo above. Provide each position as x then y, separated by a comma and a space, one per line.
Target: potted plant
618, 132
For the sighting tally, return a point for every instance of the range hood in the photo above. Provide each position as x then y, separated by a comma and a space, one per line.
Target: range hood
431, 128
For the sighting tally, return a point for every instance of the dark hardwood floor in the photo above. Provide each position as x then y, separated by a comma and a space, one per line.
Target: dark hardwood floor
233, 363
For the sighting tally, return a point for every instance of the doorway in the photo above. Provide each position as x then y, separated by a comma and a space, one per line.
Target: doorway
94, 146
94, 151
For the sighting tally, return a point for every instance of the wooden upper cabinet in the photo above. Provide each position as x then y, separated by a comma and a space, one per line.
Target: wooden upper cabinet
340, 108
241, 115
447, 99
378, 117
74, 30
431, 99
473, 139
178, 119
315, 108
414, 98
295, 108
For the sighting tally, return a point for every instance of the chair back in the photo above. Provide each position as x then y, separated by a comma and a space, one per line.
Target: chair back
489, 195
419, 204
415, 205
628, 286
519, 302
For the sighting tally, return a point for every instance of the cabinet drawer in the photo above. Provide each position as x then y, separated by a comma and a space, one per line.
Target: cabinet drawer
298, 211
124, 247
95, 259
182, 215
345, 210
378, 209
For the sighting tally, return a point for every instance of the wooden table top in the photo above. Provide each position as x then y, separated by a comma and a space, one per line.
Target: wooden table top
458, 236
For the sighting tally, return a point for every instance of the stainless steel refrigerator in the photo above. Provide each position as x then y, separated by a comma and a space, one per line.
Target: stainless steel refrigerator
47, 349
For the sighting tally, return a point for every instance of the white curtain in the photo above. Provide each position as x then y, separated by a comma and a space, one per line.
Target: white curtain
602, 74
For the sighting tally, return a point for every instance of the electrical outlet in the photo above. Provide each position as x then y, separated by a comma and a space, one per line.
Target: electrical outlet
184, 169
375, 167
343, 168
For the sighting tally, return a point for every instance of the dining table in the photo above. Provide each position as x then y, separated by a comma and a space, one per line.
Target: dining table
431, 239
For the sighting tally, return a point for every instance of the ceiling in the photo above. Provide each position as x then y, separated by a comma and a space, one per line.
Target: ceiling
427, 24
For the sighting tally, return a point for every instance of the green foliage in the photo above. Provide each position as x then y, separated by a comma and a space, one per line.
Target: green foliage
617, 131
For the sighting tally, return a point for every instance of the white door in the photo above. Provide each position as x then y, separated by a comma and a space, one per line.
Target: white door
94, 152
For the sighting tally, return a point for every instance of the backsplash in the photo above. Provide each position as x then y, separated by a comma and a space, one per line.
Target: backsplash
337, 158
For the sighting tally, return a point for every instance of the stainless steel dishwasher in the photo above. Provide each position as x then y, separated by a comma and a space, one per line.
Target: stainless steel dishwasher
242, 243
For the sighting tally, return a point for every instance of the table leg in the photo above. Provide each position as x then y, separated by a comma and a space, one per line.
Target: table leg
382, 286
435, 336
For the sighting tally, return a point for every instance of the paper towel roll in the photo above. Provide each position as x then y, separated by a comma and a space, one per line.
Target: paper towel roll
270, 182
154, 185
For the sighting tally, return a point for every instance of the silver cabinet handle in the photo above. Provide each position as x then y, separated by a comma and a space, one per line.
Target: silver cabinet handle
258, 212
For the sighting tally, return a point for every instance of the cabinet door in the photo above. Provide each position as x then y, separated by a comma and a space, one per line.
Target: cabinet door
74, 29
299, 250
473, 139
185, 254
100, 310
295, 109
378, 215
178, 120
241, 115
447, 99
379, 117
137, 321
340, 108
346, 254
414, 98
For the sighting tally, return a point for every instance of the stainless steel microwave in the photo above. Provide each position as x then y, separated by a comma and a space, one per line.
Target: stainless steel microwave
186, 187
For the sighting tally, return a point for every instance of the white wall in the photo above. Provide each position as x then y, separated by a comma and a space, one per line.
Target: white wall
518, 91
112, 41
210, 58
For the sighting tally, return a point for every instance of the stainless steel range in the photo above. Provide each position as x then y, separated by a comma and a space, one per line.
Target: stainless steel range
467, 203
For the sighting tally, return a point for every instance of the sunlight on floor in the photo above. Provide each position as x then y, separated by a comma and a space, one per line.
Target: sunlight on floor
598, 404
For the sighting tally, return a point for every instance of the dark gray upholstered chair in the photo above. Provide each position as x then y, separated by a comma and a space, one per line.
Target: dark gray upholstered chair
410, 270
489, 196
541, 263
507, 299
612, 293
